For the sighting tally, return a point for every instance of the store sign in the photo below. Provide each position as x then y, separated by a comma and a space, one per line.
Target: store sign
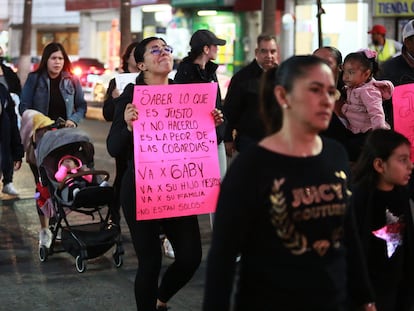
79, 5
192, 2
148, 2
197, 3
394, 8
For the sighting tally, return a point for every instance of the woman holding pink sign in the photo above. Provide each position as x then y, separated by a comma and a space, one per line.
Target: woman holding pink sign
154, 60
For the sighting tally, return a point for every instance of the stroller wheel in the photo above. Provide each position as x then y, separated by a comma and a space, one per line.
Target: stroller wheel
43, 253
80, 264
118, 260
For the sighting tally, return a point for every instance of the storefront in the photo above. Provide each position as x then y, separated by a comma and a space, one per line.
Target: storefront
344, 25
218, 17
393, 15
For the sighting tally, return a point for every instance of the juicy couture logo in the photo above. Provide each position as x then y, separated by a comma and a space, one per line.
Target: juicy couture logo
315, 202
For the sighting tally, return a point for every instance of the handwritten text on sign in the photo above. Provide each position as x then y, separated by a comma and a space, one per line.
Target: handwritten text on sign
403, 110
176, 161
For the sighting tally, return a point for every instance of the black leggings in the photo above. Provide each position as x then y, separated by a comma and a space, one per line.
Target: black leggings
184, 235
120, 165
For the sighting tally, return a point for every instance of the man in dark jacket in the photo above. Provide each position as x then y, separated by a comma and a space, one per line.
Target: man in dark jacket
400, 69
241, 105
10, 80
11, 148
9, 77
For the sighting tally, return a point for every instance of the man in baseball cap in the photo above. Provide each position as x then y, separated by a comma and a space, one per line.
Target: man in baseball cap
385, 47
408, 30
378, 29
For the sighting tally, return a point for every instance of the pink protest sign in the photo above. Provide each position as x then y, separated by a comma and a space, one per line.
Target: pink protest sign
403, 110
175, 150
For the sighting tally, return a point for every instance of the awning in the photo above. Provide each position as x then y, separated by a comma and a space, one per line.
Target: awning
255, 5
78, 5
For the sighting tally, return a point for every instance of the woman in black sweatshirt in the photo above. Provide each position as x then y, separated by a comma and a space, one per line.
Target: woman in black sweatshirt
283, 207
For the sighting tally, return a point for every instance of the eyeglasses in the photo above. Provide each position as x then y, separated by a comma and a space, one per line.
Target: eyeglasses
156, 50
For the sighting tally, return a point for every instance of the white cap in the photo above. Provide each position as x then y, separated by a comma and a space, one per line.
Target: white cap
408, 30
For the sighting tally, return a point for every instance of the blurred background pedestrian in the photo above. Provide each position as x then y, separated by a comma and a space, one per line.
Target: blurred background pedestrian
386, 48
241, 105
12, 83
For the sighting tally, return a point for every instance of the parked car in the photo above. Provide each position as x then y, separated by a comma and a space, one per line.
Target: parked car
91, 74
83, 67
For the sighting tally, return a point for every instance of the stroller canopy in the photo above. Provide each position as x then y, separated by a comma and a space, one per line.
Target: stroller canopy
53, 140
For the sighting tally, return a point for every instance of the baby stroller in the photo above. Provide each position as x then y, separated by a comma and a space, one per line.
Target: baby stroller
85, 240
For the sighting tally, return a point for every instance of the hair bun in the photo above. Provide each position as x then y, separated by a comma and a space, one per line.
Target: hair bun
369, 53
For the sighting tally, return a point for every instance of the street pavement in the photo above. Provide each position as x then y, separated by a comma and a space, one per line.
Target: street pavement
55, 285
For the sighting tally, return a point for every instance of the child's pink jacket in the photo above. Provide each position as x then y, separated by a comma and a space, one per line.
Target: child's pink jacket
363, 107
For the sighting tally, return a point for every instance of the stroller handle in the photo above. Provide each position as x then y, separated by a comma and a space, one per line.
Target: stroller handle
103, 173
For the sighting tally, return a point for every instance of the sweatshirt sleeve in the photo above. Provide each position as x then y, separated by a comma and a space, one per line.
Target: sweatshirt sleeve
233, 107
119, 139
108, 109
359, 283
230, 225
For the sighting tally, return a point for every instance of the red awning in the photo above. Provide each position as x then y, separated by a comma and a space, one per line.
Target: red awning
255, 5
78, 5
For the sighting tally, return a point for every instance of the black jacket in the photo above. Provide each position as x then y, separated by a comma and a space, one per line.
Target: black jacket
188, 72
13, 82
394, 273
241, 105
11, 145
397, 70
108, 109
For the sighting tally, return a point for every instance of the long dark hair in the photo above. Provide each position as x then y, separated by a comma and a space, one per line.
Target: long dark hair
193, 54
284, 75
380, 144
126, 55
49, 50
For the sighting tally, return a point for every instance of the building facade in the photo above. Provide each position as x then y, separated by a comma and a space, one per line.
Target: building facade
90, 28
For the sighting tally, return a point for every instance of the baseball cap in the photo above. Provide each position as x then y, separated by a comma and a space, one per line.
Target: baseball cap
378, 29
408, 30
204, 37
